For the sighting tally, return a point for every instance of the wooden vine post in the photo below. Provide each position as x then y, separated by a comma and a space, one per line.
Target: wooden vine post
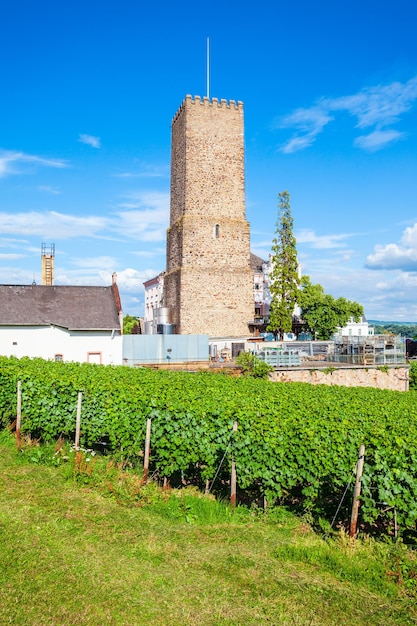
357, 492
233, 476
78, 422
147, 449
19, 413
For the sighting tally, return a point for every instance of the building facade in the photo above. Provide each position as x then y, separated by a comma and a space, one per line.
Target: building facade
154, 293
261, 295
208, 284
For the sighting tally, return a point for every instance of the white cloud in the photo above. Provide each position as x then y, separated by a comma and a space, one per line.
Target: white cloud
307, 236
379, 106
12, 275
409, 237
146, 216
146, 171
90, 140
51, 223
97, 263
392, 257
149, 253
309, 122
396, 256
49, 189
378, 139
146, 225
11, 242
80, 277
11, 256
145, 199
17, 162
145, 219
131, 280
377, 292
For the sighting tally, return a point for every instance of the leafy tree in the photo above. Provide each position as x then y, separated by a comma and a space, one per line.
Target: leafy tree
284, 274
251, 365
130, 325
322, 314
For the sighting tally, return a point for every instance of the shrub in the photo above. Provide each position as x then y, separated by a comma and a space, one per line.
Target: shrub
251, 365
413, 374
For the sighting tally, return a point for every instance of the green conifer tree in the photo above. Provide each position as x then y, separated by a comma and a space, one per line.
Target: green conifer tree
284, 279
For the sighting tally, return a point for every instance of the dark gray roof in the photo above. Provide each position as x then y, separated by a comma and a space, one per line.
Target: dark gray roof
75, 308
256, 262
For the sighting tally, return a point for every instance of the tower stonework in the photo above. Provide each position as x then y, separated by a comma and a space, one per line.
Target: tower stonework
208, 282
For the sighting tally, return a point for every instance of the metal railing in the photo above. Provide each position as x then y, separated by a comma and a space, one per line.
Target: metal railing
278, 358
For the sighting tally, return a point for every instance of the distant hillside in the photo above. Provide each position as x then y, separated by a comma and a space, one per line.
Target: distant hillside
383, 323
405, 329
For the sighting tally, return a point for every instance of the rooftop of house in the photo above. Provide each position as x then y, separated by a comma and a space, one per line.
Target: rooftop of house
156, 280
74, 308
256, 262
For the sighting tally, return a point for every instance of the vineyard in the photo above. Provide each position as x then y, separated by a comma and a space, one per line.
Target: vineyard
294, 444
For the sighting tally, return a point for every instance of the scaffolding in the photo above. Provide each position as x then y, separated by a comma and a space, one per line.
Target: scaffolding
370, 350
48, 256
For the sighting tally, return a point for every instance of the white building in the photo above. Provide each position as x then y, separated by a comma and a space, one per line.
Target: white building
154, 294
356, 329
261, 296
62, 323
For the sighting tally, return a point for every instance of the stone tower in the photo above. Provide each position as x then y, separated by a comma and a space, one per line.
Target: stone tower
208, 282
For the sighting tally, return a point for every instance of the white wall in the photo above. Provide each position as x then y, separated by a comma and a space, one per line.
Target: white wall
48, 341
154, 290
356, 329
147, 349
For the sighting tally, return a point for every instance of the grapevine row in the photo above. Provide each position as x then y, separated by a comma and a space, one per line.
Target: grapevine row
294, 440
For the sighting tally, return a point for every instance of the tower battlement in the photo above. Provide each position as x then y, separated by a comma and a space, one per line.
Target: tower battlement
210, 102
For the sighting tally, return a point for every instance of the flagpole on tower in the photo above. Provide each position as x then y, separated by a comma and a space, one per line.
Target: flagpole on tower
208, 68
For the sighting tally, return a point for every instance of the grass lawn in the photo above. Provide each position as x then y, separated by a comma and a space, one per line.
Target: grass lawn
69, 554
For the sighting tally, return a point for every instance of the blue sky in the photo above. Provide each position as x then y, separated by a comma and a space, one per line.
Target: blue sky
87, 93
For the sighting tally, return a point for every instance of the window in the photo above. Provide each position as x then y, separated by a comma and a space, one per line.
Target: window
217, 231
94, 357
237, 348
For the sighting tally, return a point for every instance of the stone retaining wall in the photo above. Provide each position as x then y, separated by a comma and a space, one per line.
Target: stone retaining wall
392, 377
